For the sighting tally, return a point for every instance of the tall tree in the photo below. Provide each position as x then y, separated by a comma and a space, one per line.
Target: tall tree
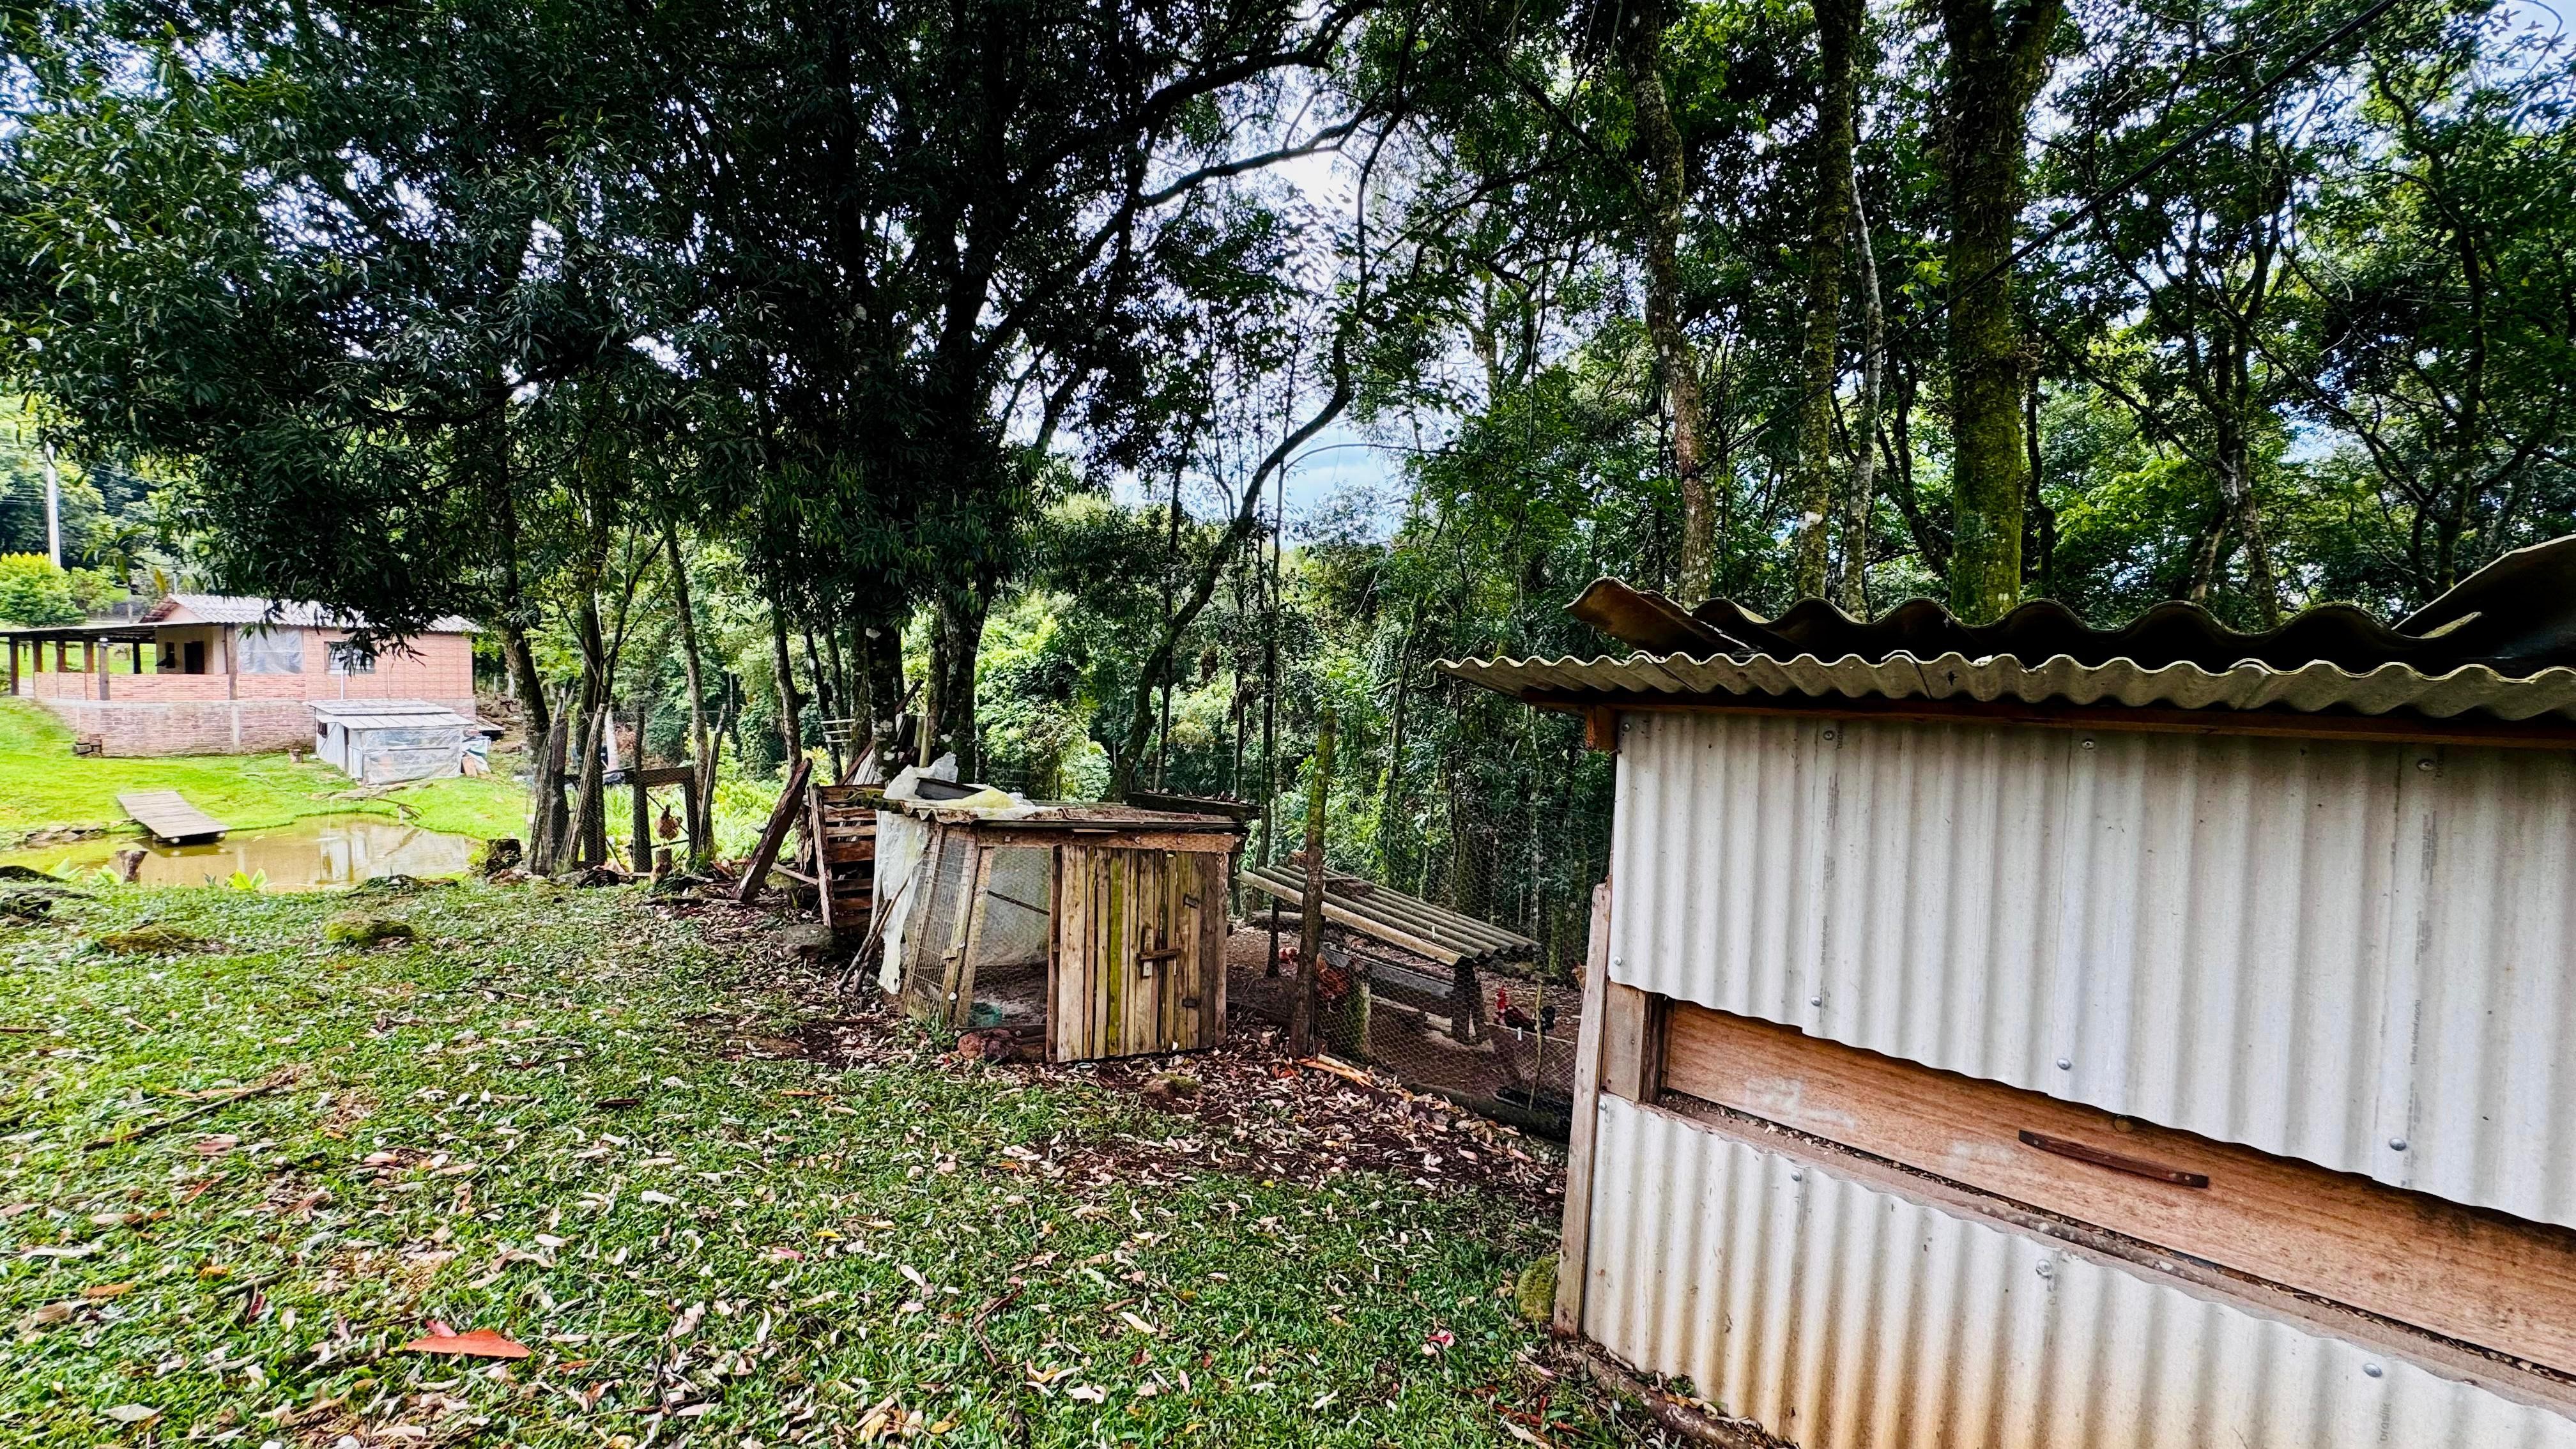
1666, 186
1996, 62
1838, 28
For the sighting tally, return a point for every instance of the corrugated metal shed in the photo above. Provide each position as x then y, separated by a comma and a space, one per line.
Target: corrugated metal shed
2363, 955
1843, 1316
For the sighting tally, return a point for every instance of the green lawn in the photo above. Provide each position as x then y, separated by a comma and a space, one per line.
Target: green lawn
600, 1128
43, 784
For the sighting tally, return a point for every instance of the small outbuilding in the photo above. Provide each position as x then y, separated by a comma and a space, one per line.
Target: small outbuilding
1083, 930
2038, 1035
384, 741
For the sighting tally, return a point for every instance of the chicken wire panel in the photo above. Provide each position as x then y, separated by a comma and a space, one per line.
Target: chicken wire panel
1017, 923
1844, 1317
2353, 953
946, 874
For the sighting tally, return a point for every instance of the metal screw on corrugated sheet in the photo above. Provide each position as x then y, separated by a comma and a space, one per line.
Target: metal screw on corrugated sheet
2423, 764
2396, 1144
2088, 744
2372, 1369
1796, 1175
2065, 1064
1829, 734
1815, 1001
2045, 1270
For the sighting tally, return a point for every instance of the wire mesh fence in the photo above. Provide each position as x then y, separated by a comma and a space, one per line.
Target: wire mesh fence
1498, 1038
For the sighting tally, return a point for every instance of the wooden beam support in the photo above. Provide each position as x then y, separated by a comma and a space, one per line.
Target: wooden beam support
1601, 729
774, 834
1632, 1043
1574, 1257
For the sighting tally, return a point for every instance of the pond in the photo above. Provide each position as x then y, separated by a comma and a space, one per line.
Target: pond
310, 854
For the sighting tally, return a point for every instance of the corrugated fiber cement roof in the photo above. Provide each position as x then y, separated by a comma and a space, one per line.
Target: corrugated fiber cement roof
2502, 644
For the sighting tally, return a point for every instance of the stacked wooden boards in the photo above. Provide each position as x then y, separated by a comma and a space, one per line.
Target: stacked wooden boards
841, 848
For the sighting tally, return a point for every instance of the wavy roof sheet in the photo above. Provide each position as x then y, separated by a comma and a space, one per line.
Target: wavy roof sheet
2501, 644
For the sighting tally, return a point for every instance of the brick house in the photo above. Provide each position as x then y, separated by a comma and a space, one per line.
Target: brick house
216, 674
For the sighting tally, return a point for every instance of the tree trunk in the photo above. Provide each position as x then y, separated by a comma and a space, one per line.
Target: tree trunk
949, 724
831, 705
1310, 925
1641, 48
546, 818
881, 657
1838, 25
791, 708
524, 677
1851, 587
588, 833
702, 742
1994, 71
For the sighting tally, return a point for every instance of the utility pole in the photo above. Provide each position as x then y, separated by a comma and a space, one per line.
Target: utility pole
53, 509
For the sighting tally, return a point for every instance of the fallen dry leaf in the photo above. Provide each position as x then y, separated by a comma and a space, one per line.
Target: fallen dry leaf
107, 1290
132, 1413
473, 1343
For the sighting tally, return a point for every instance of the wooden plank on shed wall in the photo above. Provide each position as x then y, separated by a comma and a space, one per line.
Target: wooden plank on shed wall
1143, 990
1574, 1257
2468, 1274
1631, 1042
1107, 1000
1215, 873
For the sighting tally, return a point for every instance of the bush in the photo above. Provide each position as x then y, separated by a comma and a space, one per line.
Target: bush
35, 593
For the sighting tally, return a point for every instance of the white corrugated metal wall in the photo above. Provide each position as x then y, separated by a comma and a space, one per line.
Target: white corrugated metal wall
1844, 1317
2357, 954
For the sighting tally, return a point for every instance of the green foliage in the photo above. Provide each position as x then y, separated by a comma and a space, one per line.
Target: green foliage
34, 592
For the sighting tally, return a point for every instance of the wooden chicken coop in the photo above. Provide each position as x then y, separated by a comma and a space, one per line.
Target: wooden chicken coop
1081, 931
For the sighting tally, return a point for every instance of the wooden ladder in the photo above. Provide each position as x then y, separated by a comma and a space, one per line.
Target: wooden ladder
841, 848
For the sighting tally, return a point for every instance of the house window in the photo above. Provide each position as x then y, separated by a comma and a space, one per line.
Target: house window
269, 651
351, 657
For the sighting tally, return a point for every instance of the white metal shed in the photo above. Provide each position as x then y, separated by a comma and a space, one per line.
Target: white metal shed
2034, 1035
380, 741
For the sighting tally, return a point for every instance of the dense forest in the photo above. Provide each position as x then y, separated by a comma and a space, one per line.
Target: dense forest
769, 363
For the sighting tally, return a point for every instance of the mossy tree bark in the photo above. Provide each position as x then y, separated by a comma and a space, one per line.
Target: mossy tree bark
1838, 25
1996, 63
1641, 43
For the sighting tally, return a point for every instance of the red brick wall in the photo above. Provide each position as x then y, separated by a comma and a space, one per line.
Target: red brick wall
187, 727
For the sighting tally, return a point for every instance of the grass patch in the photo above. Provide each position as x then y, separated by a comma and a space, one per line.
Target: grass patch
44, 785
583, 1122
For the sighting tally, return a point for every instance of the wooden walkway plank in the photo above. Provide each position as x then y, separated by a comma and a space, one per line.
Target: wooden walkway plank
172, 820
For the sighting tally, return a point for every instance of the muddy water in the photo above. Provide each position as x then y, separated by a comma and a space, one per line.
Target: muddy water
313, 853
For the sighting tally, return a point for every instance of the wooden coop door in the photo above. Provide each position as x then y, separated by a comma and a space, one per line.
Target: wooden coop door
1139, 959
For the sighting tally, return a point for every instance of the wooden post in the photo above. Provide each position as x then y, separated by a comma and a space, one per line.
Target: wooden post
1310, 927
699, 850
1574, 1263
774, 834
